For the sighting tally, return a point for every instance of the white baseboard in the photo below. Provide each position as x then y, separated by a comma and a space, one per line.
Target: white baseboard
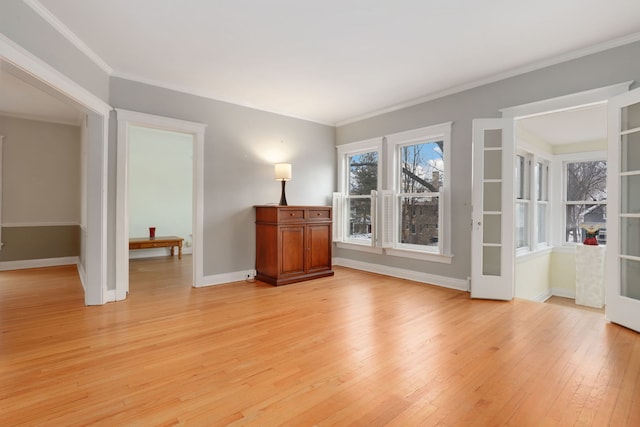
564, 293
219, 279
156, 252
38, 263
416, 276
543, 296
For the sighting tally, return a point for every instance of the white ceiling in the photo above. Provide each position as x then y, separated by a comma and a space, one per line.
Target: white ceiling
333, 61
21, 99
584, 124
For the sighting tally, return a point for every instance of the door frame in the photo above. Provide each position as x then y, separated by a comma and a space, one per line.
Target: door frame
592, 96
40, 74
619, 309
125, 119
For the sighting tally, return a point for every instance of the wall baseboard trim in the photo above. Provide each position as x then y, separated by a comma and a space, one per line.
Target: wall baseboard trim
38, 263
543, 296
220, 279
564, 293
156, 252
416, 276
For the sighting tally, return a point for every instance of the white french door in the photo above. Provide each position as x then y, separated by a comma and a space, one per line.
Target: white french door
623, 211
492, 247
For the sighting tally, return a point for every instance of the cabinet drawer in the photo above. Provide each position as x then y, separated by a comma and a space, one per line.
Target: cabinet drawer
290, 214
318, 214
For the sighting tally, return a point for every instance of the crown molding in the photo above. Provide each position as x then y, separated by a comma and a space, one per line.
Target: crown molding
579, 53
68, 34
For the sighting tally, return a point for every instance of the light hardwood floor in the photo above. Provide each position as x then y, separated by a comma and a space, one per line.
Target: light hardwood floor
354, 349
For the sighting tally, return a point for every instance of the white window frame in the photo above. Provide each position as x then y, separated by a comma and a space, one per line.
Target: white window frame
544, 200
439, 132
591, 156
532, 156
341, 220
525, 200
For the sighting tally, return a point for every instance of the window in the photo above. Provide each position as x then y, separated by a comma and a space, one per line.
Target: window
418, 180
522, 200
413, 219
585, 198
421, 173
363, 180
532, 201
542, 200
358, 181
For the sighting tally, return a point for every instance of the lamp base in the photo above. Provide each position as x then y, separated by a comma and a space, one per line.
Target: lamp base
283, 197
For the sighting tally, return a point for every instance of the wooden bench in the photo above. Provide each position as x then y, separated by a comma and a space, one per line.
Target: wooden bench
157, 242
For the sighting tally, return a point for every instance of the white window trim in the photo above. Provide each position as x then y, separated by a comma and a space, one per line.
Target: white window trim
343, 152
532, 156
558, 170
430, 133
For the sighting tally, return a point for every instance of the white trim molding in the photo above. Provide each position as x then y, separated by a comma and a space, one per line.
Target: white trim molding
38, 263
68, 34
126, 119
416, 276
224, 278
561, 103
96, 249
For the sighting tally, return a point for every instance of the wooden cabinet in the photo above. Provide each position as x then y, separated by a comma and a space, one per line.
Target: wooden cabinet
293, 243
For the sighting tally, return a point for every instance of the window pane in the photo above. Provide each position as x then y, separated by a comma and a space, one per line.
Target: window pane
359, 219
419, 218
422, 168
630, 194
542, 223
522, 225
583, 214
630, 152
539, 181
629, 232
587, 181
631, 117
630, 278
363, 173
519, 177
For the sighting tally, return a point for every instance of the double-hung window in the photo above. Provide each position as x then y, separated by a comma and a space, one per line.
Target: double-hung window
532, 201
585, 198
419, 183
542, 201
358, 183
523, 200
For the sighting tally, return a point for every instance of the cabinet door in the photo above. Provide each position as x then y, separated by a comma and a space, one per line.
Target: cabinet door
292, 250
319, 247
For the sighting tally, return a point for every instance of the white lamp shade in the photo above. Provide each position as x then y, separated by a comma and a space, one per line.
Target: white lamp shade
282, 171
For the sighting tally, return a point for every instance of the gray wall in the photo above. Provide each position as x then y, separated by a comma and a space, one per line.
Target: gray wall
241, 146
25, 27
40, 189
597, 70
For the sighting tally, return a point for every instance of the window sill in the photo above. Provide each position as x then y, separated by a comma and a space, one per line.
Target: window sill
523, 256
359, 247
424, 256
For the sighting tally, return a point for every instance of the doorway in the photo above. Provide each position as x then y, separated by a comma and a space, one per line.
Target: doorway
160, 193
561, 185
129, 123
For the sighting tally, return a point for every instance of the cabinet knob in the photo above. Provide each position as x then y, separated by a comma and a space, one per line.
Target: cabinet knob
291, 214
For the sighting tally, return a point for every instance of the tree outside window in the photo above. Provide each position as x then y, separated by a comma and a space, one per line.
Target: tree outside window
363, 178
421, 176
586, 197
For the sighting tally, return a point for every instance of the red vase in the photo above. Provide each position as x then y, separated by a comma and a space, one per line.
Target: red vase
152, 232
